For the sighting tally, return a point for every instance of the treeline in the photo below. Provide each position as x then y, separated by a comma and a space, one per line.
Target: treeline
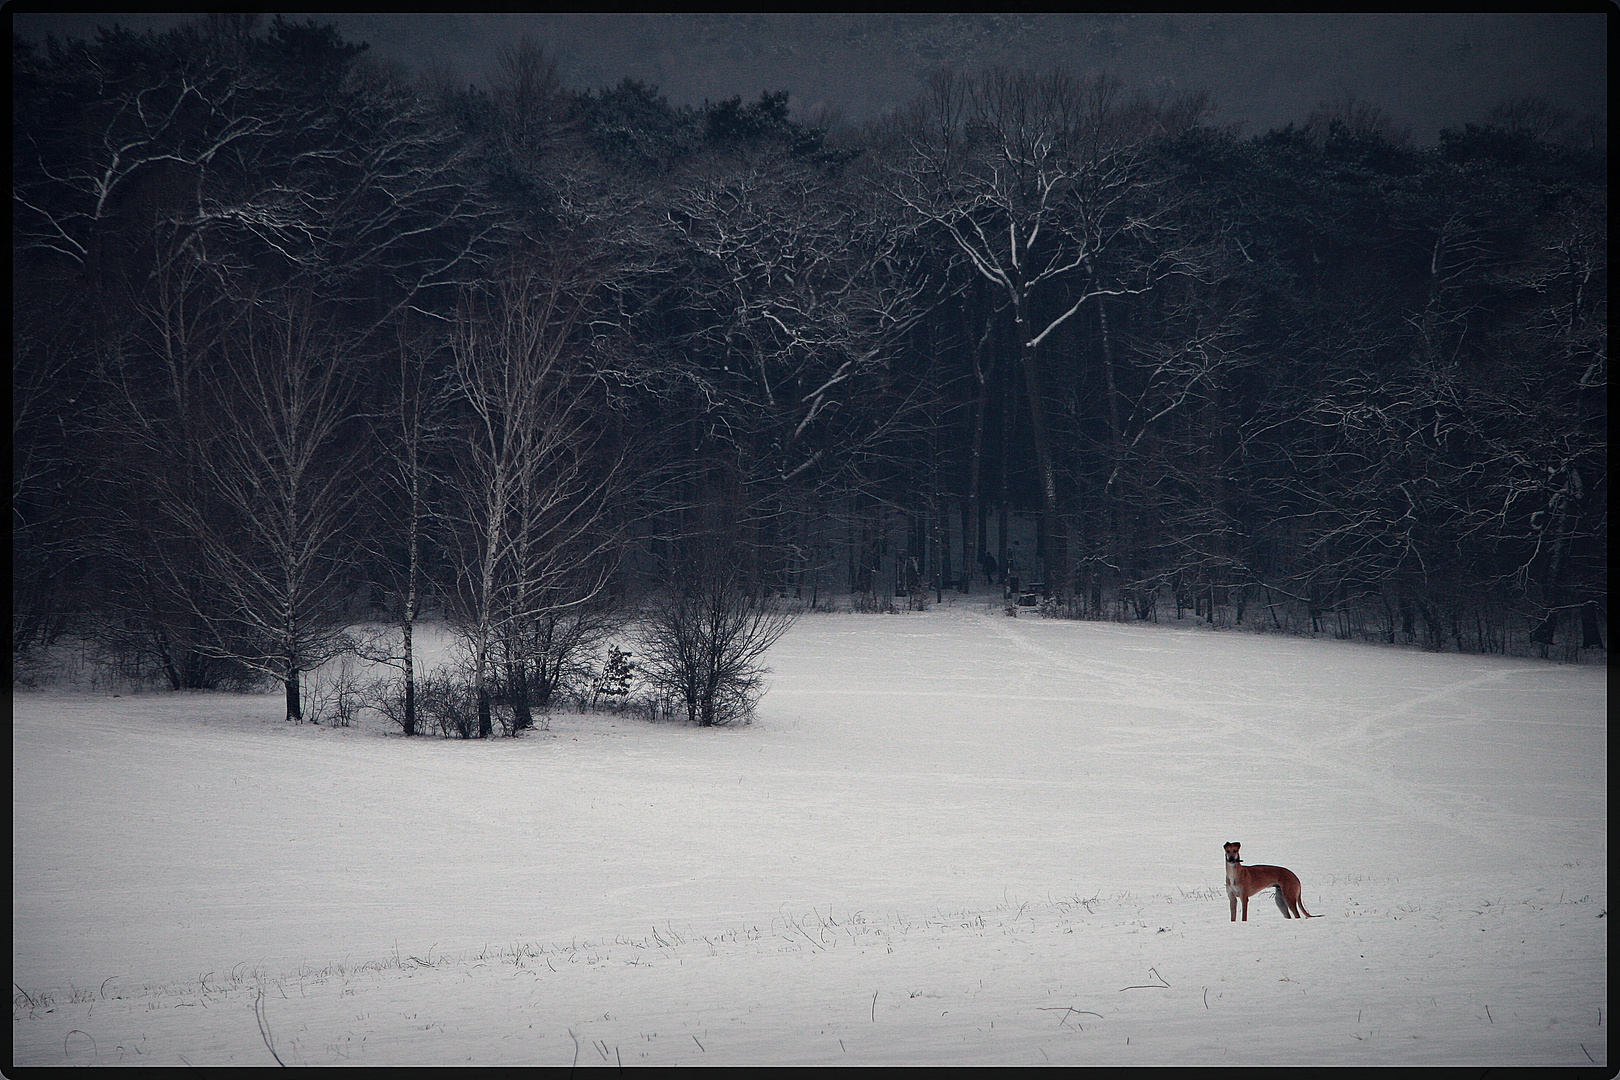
297, 338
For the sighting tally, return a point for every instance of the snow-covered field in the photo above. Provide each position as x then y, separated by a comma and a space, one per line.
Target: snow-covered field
952, 838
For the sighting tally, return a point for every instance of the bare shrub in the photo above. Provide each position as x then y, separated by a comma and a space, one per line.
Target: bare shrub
148, 654
449, 704
872, 603
386, 697
336, 696
704, 639
551, 658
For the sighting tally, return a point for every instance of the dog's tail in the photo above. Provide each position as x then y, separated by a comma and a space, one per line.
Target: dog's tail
1296, 910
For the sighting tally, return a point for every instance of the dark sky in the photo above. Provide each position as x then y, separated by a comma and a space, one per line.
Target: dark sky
1426, 70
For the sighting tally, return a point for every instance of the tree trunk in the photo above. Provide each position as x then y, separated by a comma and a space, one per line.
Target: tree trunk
972, 521
1047, 536
481, 685
517, 687
486, 729
1123, 545
410, 682
412, 560
939, 525
295, 708
1591, 634
169, 668
1007, 415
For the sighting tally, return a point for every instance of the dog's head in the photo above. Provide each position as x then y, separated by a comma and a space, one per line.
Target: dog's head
1232, 852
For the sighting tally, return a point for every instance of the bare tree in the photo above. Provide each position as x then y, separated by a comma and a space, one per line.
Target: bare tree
277, 470
412, 420
527, 89
534, 476
263, 157
162, 178
1039, 180
48, 420
790, 303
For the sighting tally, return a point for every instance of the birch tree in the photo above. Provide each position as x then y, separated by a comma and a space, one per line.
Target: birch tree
411, 421
534, 476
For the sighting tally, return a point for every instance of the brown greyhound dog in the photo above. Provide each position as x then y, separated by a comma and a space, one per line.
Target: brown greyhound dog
1243, 882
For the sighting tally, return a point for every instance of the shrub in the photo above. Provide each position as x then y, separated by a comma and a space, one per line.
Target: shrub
335, 695
447, 702
703, 641
872, 604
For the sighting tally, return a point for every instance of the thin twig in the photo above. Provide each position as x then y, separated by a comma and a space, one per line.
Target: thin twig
1160, 985
264, 1027
1069, 1010
807, 937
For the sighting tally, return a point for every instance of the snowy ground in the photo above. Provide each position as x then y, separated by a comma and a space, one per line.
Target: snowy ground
951, 838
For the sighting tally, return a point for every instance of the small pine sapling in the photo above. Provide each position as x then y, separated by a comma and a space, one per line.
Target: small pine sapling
614, 679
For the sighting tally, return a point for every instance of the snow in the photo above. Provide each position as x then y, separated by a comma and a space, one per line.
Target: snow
951, 838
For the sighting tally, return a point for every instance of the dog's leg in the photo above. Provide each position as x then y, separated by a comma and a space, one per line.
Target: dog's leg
1293, 892
1282, 904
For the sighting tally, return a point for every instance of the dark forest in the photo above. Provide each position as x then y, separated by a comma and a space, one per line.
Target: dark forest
302, 342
